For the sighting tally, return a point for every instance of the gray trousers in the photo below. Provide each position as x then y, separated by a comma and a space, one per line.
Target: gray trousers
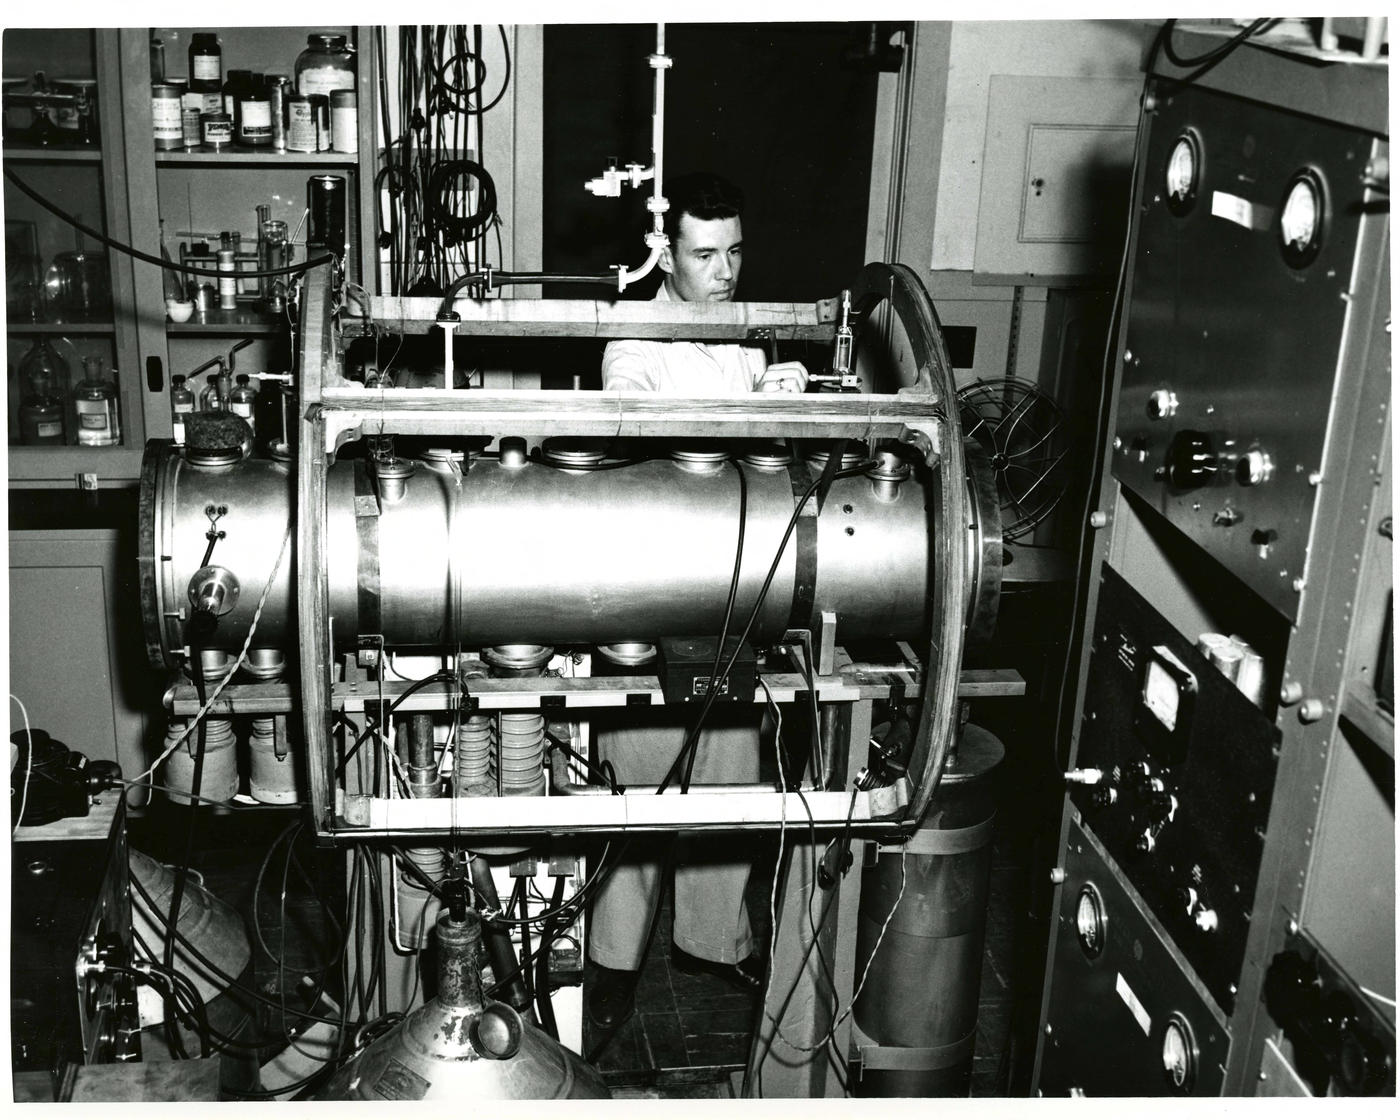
711, 920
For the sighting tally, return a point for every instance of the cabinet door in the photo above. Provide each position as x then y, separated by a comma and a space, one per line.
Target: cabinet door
68, 297
76, 655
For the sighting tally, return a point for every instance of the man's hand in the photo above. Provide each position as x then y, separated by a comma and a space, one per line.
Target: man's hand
784, 377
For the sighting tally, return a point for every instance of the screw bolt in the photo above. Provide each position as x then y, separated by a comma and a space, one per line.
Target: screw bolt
1311, 710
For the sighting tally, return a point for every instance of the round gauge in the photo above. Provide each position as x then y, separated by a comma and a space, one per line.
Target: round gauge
1090, 921
1183, 173
1301, 218
1179, 1054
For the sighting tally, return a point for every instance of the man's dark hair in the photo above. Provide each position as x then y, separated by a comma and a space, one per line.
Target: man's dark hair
704, 196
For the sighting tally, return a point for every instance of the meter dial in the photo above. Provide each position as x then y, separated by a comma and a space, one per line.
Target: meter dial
1301, 218
1183, 173
1090, 922
1179, 1054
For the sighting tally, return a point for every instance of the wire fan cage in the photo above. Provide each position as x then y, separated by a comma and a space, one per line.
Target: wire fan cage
1025, 435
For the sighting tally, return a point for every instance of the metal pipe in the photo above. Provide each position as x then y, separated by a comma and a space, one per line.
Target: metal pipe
499, 950
660, 564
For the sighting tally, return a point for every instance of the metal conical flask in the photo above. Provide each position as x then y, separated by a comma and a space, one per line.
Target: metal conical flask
459, 1046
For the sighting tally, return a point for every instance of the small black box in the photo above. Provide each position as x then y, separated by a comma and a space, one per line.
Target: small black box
687, 663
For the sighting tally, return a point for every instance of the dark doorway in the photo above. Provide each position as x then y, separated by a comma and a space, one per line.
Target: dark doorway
770, 106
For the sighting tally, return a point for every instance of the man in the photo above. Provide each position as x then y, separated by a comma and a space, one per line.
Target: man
711, 931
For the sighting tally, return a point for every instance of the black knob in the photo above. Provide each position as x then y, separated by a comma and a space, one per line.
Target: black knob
1191, 461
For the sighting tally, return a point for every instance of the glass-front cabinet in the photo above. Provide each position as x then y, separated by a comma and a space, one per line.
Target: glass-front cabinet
285, 155
98, 124
75, 409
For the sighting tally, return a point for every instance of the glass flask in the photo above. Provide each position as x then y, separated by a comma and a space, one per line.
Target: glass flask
44, 381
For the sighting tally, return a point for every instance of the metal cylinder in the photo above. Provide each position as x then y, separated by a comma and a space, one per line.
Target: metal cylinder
325, 199
418, 907
421, 762
216, 929
479, 563
918, 1004
218, 781
272, 777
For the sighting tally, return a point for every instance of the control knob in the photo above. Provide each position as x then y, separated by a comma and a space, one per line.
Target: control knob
1254, 467
1161, 404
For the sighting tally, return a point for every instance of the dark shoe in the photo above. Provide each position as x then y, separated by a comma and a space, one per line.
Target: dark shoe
747, 975
611, 997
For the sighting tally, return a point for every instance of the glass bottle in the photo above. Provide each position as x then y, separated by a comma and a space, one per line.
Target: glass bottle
243, 400
326, 64
44, 377
214, 397
181, 405
95, 405
172, 281
206, 70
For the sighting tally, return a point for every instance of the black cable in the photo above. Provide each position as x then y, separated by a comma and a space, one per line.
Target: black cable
160, 262
693, 738
544, 1004
608, 775
605, 867
1215, 54
177, 892
168, 992
213, 969
518, 896
728, 612
439, 676
442, 181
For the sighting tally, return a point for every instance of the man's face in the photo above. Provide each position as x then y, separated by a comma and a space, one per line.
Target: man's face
703, 264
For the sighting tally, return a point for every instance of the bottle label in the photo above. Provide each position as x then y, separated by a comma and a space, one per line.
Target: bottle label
323, 79
228, 105
217, 132
177, 427
257, 118
193, 99
344, 130
213, 102
48, 429
242, 408
301, 127
165, 118
207, 67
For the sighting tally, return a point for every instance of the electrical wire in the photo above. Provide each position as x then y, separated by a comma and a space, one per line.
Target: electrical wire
233, 669
693, 738
441, 676
28, 764
160, 262
1212, 57
715, 678
193, 950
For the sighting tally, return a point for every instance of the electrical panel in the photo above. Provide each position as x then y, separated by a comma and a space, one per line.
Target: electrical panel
1232, 336
1233, 734
1188, 767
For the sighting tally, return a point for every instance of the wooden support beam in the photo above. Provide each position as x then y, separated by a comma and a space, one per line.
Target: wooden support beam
577, 692
351, 409
603, 319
